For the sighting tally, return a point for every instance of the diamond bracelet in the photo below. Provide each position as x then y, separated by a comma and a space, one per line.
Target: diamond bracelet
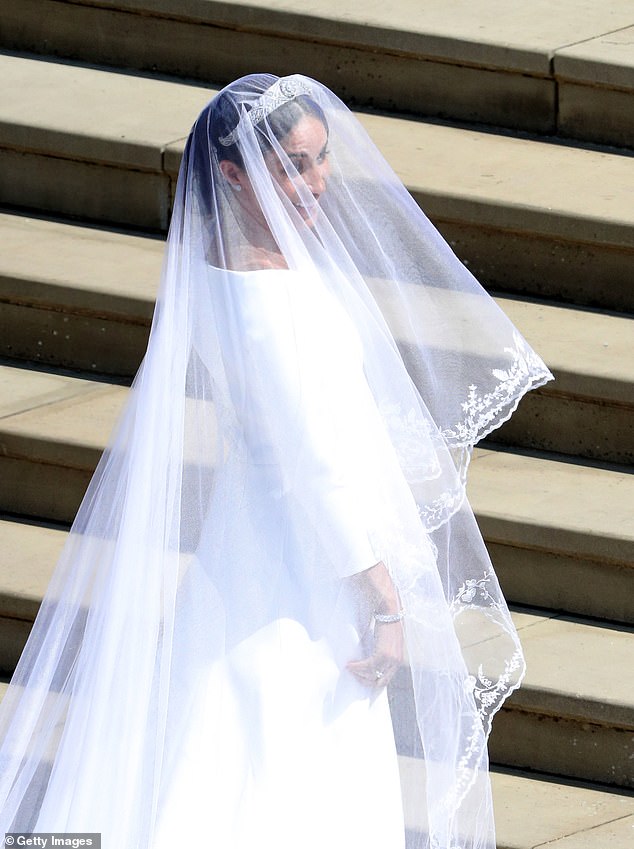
388, 618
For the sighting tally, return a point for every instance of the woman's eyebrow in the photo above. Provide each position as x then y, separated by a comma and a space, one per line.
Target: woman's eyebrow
303, 154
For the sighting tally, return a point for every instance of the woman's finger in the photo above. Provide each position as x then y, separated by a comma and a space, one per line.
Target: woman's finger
374, 671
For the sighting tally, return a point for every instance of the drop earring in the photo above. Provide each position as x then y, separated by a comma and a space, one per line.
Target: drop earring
236, 187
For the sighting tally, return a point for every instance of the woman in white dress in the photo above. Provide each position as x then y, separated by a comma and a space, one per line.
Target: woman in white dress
279, 528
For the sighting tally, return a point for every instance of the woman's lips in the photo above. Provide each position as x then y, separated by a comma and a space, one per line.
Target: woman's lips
308, 210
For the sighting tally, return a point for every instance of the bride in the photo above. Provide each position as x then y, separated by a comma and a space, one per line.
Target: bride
279, 526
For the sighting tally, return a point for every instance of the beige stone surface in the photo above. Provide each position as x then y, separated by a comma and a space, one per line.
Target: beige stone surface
51, 485
592, 274
22, 389
87, 190
27, 557
57, 419
381, 76
83, 112
559, 506
512, 183
521, 36
480, 62
617, 834
551, 504
492, 180
72, 339
536, 739
506, 182
593, 429
84, 421
577, 669
607, 60
596, 113
172, 157
589, 352
532, 812
46, 262
115, 274
568, 583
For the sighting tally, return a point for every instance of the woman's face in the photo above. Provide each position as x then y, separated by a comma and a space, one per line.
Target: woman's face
306, 147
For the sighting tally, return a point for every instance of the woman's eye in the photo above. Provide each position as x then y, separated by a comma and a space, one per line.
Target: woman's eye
322, 156
297, 163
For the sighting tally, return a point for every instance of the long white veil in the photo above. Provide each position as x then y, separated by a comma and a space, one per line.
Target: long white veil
289, 427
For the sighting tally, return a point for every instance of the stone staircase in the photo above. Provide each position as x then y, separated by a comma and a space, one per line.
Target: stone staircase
88, 159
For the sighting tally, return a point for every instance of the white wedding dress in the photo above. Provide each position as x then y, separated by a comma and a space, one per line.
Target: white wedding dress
185, 682
278, 741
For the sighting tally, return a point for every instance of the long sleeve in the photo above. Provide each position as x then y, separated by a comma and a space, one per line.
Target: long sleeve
305, 407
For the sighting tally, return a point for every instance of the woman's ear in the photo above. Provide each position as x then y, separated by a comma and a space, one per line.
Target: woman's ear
233, 174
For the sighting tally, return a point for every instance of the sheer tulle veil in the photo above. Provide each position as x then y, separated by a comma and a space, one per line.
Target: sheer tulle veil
291, 425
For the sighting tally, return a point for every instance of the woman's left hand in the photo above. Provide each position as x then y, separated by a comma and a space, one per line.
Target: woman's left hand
378, 669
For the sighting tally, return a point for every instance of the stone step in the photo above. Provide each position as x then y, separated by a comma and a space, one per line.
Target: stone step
567, 69
54, 429
537, 811
560, 533
529, 217
80, 297
542, 811
74, 296
569, 717
28, 556
573, 714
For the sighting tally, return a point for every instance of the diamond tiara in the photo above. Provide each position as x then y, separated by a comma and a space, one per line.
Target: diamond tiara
282, 90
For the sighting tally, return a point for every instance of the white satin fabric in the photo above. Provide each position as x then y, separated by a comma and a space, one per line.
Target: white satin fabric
276, 731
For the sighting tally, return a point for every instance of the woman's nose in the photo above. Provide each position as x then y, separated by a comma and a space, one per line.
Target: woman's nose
316, 179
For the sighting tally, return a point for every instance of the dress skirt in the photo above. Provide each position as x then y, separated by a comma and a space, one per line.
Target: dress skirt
278, 744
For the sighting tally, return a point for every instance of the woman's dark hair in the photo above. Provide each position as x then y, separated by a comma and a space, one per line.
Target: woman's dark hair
220, 118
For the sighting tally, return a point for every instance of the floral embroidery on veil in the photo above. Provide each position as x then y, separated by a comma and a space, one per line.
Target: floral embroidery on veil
483, 411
